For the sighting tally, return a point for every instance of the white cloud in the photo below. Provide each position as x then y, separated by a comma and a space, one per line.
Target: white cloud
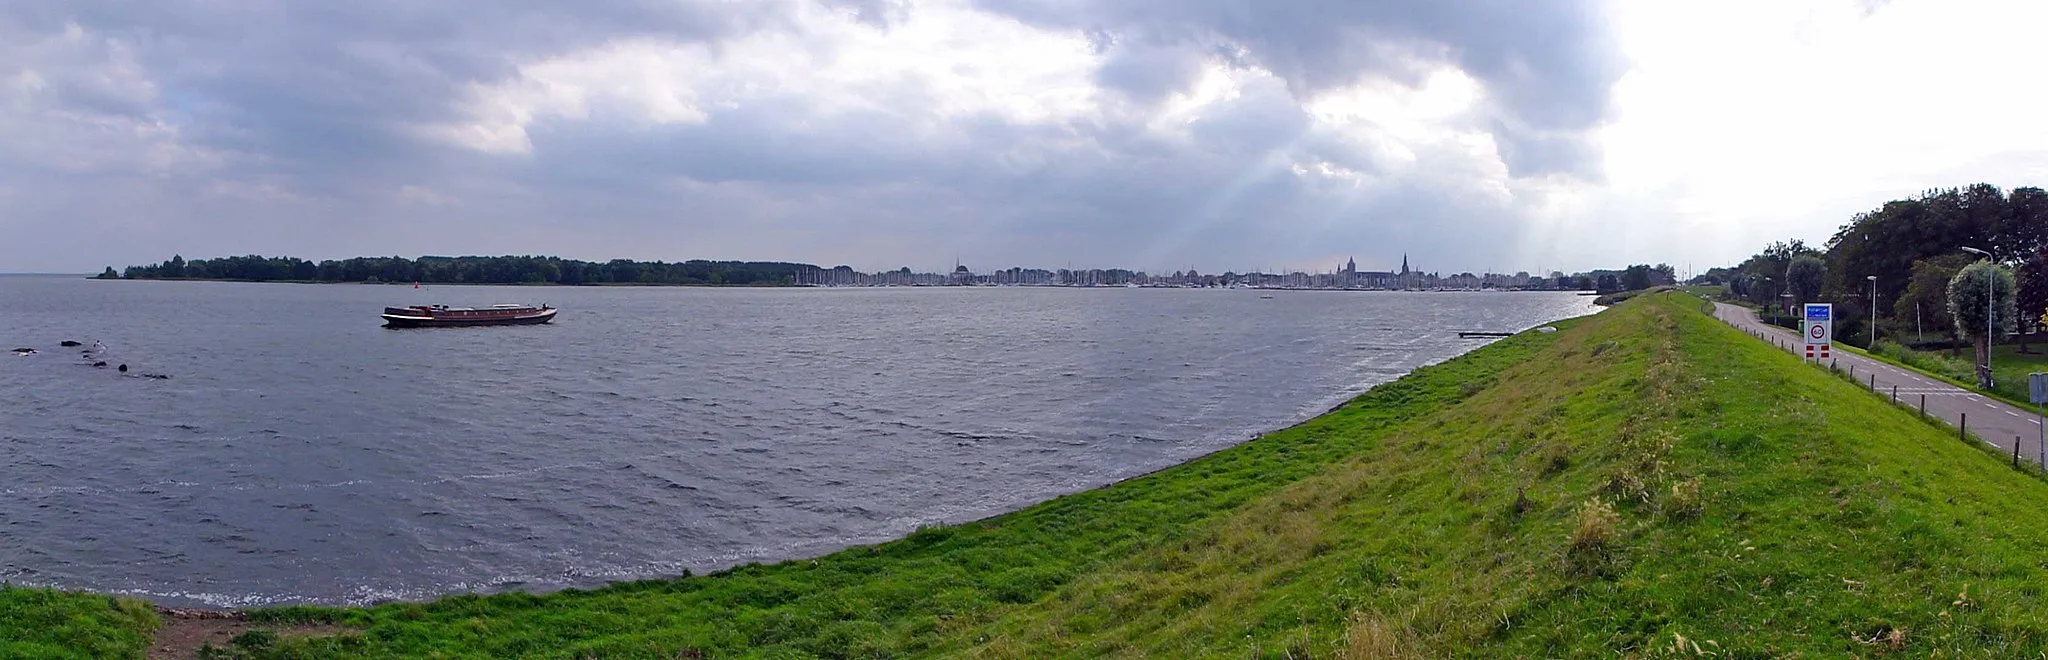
943, 61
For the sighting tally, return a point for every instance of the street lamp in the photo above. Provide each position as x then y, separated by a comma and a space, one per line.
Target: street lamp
1773, 306
1985, 378
1873, 311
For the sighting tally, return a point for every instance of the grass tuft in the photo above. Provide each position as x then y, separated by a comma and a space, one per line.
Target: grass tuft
1596, 536
1372, 638
1685, 501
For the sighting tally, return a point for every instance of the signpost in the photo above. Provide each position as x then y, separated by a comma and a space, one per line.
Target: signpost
2037, 391
1819, 329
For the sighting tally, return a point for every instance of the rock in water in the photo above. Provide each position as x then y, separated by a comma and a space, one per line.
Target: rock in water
124, 368
68, 343
23, 351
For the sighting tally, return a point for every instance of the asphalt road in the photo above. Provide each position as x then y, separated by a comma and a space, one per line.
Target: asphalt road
1997, 422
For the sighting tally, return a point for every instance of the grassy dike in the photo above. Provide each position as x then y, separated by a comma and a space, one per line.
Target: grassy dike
1647, 482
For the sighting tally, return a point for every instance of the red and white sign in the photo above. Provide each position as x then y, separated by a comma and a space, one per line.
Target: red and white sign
1820, 331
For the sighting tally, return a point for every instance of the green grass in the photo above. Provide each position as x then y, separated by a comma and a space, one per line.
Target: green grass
1941, 365
2009, 368
1623, 296
41, 623
1707, 291
1647, 482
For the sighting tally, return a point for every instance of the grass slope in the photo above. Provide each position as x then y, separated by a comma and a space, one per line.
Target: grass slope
41, 623
1647, 482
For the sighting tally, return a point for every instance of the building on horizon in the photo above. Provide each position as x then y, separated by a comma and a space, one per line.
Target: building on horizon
1350, 277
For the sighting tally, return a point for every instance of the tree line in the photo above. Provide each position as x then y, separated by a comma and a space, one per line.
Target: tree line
470, 270
1928, 260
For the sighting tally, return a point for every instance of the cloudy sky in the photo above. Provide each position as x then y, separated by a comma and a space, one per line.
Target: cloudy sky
1152, 134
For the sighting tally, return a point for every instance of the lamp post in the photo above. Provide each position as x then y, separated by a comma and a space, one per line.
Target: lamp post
1873, 311
1985, 377
1772, 305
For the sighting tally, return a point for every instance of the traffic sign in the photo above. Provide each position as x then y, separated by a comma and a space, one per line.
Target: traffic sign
1819, 330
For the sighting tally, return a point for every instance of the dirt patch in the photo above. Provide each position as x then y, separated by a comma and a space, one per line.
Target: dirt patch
186, 631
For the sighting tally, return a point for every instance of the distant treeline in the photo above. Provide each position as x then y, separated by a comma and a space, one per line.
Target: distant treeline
469, 270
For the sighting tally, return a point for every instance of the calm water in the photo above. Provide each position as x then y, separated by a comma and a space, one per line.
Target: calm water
301, 453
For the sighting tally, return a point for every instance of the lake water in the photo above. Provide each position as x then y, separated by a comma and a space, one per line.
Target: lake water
299, 452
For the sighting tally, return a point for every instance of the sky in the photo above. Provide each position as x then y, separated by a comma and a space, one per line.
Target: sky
1160, 135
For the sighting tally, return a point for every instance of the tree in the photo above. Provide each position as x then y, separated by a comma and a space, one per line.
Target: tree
1966, 304
1608, 284
175, 267
109, 274
1805, 276
1636, 278
1766, 270
1925, 299
2031, 298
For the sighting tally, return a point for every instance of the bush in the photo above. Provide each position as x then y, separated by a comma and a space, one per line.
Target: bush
1935, 363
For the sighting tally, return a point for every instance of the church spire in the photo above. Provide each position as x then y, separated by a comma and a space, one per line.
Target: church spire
1404, 263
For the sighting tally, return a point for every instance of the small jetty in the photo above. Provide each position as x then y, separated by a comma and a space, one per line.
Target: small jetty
1469, 334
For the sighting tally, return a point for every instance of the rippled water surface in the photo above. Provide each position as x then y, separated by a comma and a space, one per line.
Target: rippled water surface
299, 452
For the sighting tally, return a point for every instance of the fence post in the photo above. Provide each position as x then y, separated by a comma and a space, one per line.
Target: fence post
2015, 451
1895, 395
1873, 382
1963, 427
1852, 370
1923, 406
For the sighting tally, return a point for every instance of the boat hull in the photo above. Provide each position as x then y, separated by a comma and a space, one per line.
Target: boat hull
410, 321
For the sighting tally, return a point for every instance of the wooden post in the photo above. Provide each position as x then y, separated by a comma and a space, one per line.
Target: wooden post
1852, 370
1873, 382
1923, 406
2015, 451
1895, 395
1963, 427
